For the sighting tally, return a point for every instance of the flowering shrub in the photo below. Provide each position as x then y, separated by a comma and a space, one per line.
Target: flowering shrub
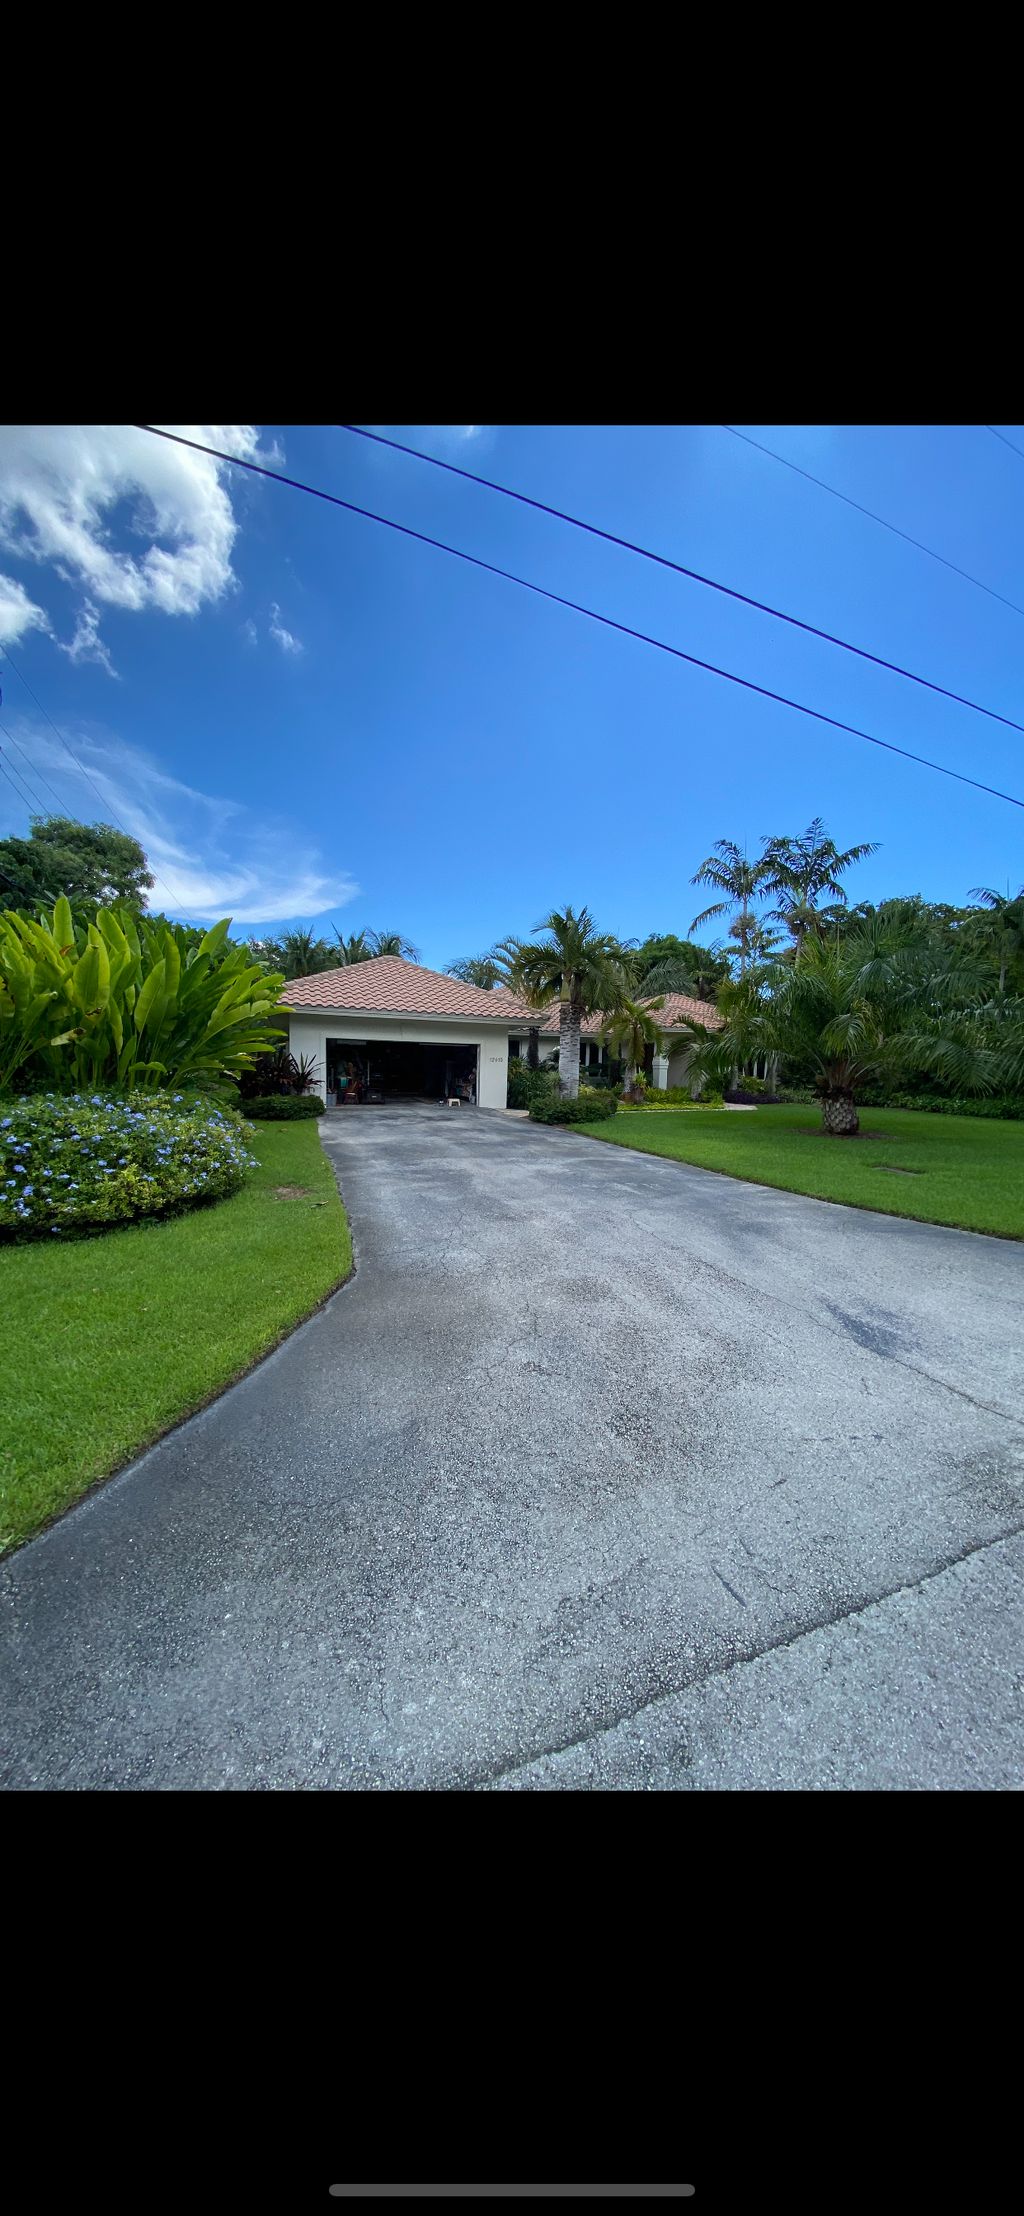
71, 1162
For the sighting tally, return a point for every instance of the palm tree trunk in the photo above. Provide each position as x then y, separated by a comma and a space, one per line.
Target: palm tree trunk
839, 1113
569, 1019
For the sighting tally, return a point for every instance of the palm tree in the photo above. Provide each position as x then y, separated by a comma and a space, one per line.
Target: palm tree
581, 967
870, 1005
392, 942
629, 1031
301, 955
352, 949
801, 869
483, 970
1002, 932
741, 882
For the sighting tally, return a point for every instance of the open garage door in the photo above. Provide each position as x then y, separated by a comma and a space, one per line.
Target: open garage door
400, 1069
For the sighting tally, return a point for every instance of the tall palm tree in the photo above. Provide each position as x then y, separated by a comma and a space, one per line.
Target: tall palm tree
870, 1005
629, 1031
483, 970
392, 942
741, 881
1002, 931
577, 965
799, 870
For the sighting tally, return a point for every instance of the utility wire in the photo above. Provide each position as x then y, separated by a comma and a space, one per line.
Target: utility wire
1006, 442
886, 526
38, 804
37, 772
334, 499
80, 766
612, 538
10, 774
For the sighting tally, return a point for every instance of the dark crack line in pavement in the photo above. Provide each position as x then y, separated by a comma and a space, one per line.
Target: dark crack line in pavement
740, 1662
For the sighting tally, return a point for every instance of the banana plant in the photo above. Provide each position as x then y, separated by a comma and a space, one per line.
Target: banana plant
115, 1001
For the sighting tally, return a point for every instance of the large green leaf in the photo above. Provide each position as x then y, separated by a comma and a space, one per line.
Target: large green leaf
152, 988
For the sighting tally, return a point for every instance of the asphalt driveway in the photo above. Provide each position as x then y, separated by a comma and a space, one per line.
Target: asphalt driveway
602, 1472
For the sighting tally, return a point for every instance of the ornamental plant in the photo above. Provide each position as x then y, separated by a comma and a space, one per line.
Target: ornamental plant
122, 1002
73, 1162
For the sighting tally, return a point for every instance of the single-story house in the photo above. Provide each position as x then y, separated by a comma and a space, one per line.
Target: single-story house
411, 1033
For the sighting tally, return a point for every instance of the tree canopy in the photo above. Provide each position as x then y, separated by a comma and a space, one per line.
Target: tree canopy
81, 861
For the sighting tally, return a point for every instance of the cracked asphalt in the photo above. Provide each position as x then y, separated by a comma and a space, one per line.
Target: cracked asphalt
603, 1473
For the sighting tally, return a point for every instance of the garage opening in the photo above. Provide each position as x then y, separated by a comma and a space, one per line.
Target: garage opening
369, 1073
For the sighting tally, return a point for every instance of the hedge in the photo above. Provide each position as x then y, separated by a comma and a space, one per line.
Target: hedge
588, 1107
997, 1106
72, 1162
283, 1107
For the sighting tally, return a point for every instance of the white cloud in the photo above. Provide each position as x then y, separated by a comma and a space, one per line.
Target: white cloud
212, 856
63, 486
285, 639
87, 645
249, 631
18, 613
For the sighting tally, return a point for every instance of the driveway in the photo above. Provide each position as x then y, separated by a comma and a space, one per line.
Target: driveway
602, 1472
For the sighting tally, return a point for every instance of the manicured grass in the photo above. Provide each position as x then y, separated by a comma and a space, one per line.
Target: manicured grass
109, 1340
970, 1172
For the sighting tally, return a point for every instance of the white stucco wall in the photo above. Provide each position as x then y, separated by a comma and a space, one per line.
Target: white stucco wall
308, 1034
678, 1065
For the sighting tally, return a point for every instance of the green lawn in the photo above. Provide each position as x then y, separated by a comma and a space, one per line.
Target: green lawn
970, 1171
109, 1340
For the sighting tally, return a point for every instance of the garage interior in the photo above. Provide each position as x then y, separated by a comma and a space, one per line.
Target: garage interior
399, 1069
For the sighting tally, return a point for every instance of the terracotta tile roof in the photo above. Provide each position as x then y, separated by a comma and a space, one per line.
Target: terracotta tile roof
388, 986
678, 1009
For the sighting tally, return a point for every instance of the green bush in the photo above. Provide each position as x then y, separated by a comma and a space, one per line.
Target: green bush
283, 1107
123, 1002
1009, 1106
525, 1085
680, 1096
588, 1107
73, 1163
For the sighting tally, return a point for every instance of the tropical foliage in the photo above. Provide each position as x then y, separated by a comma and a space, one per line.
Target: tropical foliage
629, 1031
70, 1162
584, 969
740, 883
483, 970
799, 870
857, 1009
664, 963
279, 1072
120, 1002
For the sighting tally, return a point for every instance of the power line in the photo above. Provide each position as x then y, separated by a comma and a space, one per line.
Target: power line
695, 575
10, 774
38, 805
37, 772
80, 766
886, 526
560, 600
1006, 442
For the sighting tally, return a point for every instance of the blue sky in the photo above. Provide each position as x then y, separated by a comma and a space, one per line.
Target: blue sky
308, 719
